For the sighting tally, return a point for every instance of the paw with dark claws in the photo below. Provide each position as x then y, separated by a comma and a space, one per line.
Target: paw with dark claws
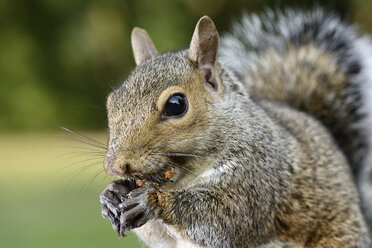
126, 205
115, 193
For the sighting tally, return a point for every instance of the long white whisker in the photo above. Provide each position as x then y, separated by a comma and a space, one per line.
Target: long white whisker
176, 141
97, 160
82, 148
176, 154
84, 136
83, 142
175, 165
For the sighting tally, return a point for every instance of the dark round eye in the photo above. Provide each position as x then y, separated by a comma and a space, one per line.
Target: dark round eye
175, 106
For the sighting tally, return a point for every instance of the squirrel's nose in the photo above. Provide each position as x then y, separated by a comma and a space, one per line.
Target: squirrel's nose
118, 167
121, 167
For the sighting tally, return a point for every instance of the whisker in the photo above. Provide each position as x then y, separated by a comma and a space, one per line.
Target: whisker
150, 164
182, 167
79, 171
91, 106
98, 154
113, 88
177, 141
201, 124
180, 179
176, 165
104, 178
71, 175
78, 162
176, 154
82, 148
90, 181
77, 154
83, 142
83, 136
88, 143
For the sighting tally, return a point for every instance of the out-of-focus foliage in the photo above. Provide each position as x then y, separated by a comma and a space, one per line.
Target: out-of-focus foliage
60, 58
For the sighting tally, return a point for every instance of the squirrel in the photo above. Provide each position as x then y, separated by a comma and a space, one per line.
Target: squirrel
259, 139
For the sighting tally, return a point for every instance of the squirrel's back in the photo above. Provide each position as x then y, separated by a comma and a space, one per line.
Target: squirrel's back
313, 62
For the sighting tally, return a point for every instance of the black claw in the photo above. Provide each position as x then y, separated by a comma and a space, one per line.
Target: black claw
113, 209
104, 212
110, 196
134, 217
121, 233
107, 214
110, 205
112, 217
128, 204
124, 204
116, 226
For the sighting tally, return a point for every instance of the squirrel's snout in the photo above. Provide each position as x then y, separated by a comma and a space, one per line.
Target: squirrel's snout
122, 167
115, 165
118, 167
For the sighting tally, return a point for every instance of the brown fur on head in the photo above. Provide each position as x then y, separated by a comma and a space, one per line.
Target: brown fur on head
142, 144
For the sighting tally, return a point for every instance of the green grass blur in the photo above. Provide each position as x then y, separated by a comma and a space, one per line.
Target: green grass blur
49, 190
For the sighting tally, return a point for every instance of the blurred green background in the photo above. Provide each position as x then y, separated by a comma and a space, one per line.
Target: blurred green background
58, 61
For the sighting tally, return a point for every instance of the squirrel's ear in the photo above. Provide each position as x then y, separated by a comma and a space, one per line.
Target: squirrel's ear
142, 46
204, 49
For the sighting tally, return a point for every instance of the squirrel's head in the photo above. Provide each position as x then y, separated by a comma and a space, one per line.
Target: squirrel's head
159, 120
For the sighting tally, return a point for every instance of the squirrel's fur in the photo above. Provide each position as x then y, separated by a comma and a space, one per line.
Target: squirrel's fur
270, 149
323, 66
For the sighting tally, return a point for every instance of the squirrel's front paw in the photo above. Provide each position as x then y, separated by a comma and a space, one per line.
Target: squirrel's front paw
138, 208
115, 193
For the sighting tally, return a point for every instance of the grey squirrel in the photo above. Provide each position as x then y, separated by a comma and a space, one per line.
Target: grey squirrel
260, 141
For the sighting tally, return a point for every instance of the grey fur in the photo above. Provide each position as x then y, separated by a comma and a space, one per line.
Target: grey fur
253, 168
241, 51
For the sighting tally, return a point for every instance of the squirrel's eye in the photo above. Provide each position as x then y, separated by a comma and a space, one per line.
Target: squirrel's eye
175, 106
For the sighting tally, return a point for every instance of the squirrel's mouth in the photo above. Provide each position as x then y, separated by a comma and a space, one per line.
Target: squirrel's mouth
162, 171
155, 178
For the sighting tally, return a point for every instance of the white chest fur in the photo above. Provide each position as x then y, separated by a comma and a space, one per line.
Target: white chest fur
159, 235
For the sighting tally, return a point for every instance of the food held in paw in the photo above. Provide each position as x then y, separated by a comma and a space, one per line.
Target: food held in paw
140, 183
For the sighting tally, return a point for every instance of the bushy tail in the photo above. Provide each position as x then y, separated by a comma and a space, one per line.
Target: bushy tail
316, 63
